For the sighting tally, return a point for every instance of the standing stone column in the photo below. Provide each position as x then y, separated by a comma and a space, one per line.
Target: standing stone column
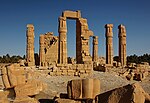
30, 45
122, 45
95, 48
42, 51
109, 44
62, 29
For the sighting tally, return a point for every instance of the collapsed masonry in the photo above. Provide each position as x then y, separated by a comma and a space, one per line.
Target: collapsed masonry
88, 91
18, 86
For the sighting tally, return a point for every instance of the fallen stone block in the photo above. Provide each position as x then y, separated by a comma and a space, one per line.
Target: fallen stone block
30, 88
3, 97
132, 93
74, 89
25, 100
83, 88
66, 101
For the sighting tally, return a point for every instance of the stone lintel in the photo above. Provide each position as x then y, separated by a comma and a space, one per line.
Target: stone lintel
71, 14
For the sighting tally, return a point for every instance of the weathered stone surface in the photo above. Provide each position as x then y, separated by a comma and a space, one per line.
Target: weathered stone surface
62, 40
16, 75
48, 49
74, 88
82, 38
30, 88
96, 87
87, 88
30, 45
66, 101
95, 48
71, 14
109, 44
25, 100
127, 94
18, 86
83, 88
3, 97
5, 79
122, 45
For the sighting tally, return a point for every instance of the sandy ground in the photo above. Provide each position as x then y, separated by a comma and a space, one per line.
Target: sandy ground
58, 84
109, 81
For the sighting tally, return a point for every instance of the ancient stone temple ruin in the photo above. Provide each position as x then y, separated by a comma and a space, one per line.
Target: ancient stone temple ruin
25, 82
53, 49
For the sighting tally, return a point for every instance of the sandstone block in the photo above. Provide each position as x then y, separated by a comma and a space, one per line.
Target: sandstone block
6, 81
5, 78
71, 14
31, 88
83, 75
82, 71
25, 100
127, 94
74, 88
58, 73
96, 87
70, 73
16, 75
83, 88
3, 97
64, 72
66, 101
87, 88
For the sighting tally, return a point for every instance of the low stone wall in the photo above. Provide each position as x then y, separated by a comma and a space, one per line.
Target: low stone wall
70, 69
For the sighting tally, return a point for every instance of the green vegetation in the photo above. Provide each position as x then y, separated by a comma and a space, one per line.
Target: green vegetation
130, 59
136, 59
10, 59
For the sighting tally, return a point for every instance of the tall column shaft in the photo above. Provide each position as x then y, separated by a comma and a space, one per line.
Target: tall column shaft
62, 40
30, 45
122, 45
42, 51
95, 48
109, 44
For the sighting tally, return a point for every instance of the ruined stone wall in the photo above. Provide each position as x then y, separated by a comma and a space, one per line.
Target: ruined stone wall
83, 44
48, 49
71, 69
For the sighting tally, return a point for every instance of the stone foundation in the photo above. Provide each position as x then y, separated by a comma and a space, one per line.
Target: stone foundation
69, 69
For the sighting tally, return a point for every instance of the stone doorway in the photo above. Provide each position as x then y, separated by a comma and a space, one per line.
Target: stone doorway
82, 38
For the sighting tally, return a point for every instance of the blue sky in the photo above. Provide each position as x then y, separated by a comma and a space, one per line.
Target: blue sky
16, 14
